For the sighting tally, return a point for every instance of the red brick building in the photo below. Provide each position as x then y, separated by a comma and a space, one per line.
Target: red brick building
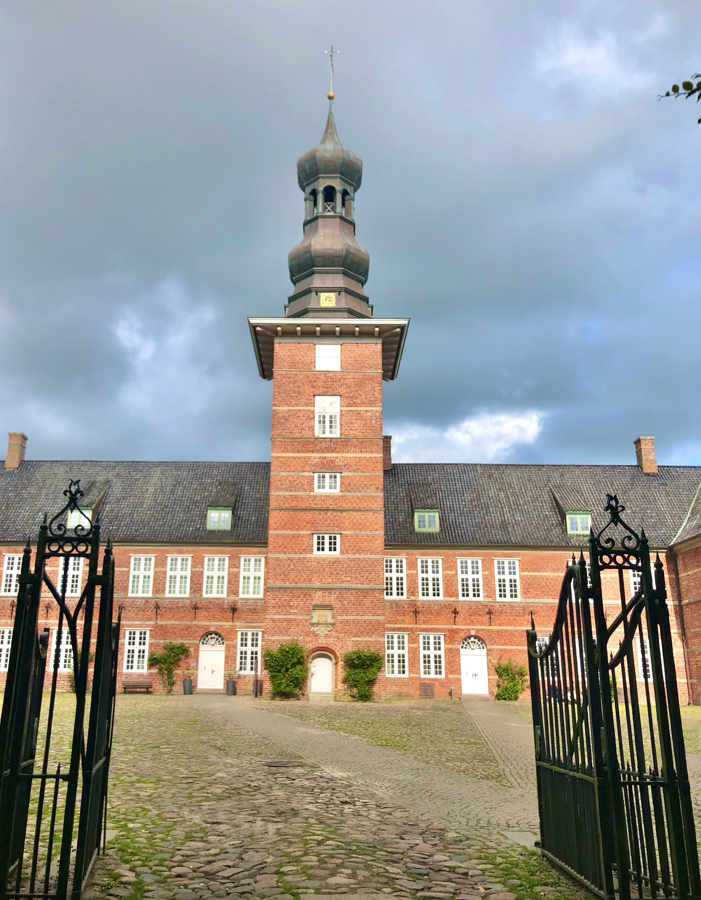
438, 567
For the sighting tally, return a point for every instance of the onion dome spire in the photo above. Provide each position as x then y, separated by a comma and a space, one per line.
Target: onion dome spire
328, 267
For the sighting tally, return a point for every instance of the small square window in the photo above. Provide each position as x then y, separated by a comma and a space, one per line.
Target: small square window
218, 519
328, 356
82, 517
325, 544
578, 523
426, 520
327, 482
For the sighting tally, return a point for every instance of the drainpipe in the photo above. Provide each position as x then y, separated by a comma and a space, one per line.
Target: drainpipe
682, 628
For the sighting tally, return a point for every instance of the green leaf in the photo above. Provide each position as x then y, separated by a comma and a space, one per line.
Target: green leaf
675, 88
687, 85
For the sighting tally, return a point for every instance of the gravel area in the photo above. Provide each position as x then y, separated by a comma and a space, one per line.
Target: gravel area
407, 725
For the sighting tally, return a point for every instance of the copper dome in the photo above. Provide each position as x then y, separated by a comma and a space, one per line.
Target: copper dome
329, 157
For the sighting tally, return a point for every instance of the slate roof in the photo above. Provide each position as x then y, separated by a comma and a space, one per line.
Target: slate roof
144, 502
488, 505
496, 505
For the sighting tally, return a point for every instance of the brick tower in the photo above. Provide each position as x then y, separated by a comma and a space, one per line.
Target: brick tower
327, 358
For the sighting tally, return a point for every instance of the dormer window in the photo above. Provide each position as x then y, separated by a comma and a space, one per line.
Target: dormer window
218, 519
426, 520
82, 517
578, 522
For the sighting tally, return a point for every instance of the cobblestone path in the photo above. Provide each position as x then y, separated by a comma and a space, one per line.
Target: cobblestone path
198, 812
509, 736
422, 787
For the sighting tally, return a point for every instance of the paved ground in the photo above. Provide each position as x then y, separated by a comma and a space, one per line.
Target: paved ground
198, 814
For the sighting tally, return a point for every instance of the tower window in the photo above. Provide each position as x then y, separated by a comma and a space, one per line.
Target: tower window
328, 356
329, 199
347, 204
327, 411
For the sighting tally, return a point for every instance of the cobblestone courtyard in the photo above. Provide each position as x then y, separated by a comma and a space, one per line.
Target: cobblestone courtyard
196, 811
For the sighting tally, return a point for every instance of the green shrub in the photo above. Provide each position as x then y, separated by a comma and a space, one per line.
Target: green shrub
287, 668
511, 680
361, 670
166, 662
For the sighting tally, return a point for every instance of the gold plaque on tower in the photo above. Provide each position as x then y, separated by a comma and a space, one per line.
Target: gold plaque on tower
327, 299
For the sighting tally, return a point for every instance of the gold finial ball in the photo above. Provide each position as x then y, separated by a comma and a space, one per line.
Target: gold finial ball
330, 95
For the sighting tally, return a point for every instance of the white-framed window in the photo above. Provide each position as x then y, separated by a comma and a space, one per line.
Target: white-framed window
249, 652
541, 642
178, 581
644, 662
395, 656
136, 650
218, 519
65, 653
5, 645
252, 568
426, 520
578, 523
506, 574
327, 482
470, 574
395, 577
75, 574
82, 517
636, 580
432, 655
328, 356
325, 544
10, 574
141, 576
327, 416
216, 569
430, 578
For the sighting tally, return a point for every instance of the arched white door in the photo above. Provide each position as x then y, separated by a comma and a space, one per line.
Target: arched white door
321, 674
473, 666
210, 667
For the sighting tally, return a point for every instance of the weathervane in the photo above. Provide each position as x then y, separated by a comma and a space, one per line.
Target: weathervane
331, 52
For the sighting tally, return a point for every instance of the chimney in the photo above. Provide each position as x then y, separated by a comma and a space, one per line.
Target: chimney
386, 452
16, 448
645, 455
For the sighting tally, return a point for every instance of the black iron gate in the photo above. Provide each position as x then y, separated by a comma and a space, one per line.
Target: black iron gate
613, 790
45, 774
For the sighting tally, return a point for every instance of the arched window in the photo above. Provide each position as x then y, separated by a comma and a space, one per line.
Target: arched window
313, 196
473, 643
347, 204
211, 639
329, 199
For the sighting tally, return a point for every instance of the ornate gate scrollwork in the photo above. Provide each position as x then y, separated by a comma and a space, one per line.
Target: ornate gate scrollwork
613, 788
28, 780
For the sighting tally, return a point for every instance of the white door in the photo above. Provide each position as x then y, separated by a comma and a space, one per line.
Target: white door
473, 666
321, 677
210, 668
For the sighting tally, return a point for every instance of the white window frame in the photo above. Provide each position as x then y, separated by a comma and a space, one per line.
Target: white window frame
327, 544
65, 660
248, 649
396, 654
10, 574
214, 516
508, 579
580, 520
252, 571
327, 482
5, 647
395, 577
327, 415
328, 357
141, 569
215, 575
178, 575
430, 570
432, 647
136, 641
470, 578
77, 517
74, 581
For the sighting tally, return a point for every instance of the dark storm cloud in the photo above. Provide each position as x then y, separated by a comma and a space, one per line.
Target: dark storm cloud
525, 200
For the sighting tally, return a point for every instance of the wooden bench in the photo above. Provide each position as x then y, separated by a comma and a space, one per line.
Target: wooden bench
130, 687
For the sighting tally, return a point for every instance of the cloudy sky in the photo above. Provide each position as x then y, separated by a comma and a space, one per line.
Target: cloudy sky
526, 201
